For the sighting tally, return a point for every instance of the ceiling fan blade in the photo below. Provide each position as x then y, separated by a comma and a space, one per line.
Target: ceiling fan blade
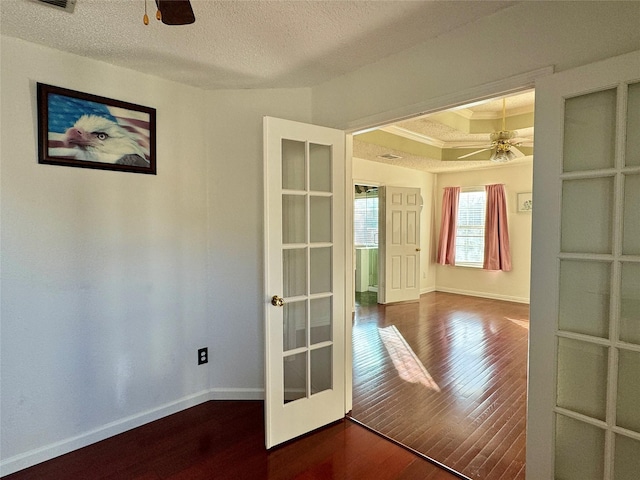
473, 153
516, 151
471, 145
176, 12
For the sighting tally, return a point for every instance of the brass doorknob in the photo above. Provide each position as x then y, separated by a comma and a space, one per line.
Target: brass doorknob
418, 249
277, 301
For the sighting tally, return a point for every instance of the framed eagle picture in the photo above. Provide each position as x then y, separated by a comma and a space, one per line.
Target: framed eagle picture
78, 129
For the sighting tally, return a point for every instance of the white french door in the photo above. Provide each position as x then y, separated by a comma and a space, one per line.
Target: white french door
584, 373
304, 171
399, 245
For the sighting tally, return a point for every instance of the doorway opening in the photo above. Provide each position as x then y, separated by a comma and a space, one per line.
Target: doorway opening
365, 239
446, 376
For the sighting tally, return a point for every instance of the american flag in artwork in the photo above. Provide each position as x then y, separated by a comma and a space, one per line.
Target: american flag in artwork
64, 112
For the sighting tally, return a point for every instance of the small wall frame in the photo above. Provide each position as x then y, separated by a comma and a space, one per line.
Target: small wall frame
525, 202
77, 129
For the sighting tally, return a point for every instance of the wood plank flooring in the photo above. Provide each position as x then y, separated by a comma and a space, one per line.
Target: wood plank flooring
225, 440
446, 376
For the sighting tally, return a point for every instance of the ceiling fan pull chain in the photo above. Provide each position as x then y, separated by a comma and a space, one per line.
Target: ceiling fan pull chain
145, 19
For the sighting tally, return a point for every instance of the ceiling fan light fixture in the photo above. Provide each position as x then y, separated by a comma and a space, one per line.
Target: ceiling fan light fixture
502, 156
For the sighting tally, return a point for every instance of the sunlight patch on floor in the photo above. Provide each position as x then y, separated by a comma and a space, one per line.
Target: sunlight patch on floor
520, 323
404, 359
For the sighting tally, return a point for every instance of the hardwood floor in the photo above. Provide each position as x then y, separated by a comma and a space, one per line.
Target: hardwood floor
446, 376
225, 440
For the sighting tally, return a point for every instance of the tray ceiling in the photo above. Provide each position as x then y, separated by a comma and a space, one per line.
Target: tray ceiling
434, 142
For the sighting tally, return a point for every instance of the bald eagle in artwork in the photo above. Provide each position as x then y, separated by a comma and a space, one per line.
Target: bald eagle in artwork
98, 139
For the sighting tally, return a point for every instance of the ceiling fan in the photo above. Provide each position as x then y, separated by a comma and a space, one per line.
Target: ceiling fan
172, 12
504, 143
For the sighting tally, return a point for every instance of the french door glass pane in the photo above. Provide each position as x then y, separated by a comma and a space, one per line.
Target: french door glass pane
293, 165
295, 377
584, 297
582, 377
294, 332
321, 320
628, 405
293, 219
321, 366
631, 225
633, 126
294, 272
320, 270
579, 450
320, 219
627, 459
319, 168
587, 212
630, 303
589, 131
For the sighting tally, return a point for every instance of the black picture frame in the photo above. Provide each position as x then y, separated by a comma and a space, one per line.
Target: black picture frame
77, 129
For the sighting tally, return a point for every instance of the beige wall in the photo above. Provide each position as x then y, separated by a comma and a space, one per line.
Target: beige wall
513, 285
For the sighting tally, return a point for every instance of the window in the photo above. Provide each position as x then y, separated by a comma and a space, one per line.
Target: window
365, 217
470, 228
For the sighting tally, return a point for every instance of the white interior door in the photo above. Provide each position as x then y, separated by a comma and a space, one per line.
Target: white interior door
584, 371
305, 218
399, 244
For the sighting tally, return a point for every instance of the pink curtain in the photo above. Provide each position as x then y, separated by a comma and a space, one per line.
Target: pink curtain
447, 244
496, 234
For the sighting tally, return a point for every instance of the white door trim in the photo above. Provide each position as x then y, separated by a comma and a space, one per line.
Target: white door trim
501, 87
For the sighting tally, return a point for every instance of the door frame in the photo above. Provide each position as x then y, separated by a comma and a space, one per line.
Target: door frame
356, 181
506, 86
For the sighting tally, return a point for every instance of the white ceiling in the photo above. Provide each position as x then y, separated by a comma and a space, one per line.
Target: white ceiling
243, 44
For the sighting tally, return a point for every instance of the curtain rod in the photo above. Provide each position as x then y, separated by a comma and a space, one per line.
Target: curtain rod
473, 186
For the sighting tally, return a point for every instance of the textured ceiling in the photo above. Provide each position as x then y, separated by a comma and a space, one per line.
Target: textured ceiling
243, 44
273, 44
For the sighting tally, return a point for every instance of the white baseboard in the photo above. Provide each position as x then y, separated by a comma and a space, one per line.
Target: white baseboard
427, 290
237, 393
47, 452
495, 296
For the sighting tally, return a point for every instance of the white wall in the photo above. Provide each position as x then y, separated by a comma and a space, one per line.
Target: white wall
111, 281
105, 287
103, 273
513, 285
235, 199
520, 39
367, 172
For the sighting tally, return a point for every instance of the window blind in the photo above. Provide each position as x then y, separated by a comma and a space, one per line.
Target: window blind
365, 221
470, 228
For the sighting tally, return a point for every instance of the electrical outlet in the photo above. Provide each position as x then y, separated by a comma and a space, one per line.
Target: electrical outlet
203, 355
